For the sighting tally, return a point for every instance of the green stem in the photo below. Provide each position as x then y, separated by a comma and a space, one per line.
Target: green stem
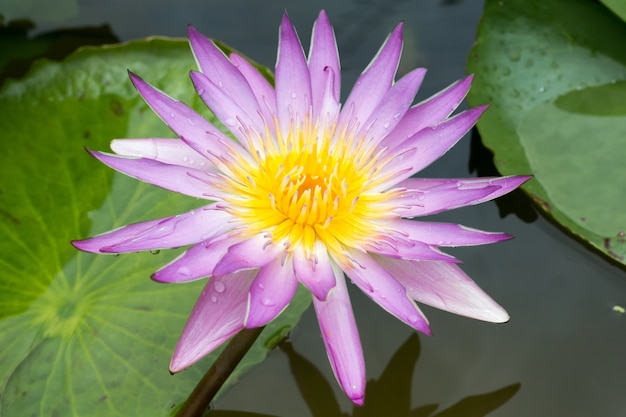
218, 373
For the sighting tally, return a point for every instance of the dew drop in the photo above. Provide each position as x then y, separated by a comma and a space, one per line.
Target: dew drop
268, 302
154, 251
294, 94
412, 318
420, 197
261, 286
202, 164
397, 115
185, 158
386, 125
514, 55
200, 91
231, 122
184, 270
219, 287
214, 298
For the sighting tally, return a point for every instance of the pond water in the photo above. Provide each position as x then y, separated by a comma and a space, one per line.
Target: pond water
561, 354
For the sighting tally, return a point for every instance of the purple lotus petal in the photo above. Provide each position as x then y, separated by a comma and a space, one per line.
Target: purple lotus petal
180, 230
341, 338
323, 57
198, 133
196, 262
375, 81
330, 107
171, 177
445, 234
167, 151
315, 274
405, 249
393, 106
263, 90
429, 144
505, 184
95, 243
381, 287
272, 290
436, 195
225, 108
255, 252
428, 113
221, 72
436, 201
293, 81
444, 286
219, 314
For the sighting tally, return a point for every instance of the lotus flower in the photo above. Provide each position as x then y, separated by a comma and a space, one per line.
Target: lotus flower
309, 191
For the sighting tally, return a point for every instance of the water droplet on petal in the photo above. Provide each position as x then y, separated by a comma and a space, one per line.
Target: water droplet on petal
219, 287
200, 91
397, 115
268, 302
184, 270
185, 158
294, 94
231, 122
261, 286
386, 125
413, 318
214, 298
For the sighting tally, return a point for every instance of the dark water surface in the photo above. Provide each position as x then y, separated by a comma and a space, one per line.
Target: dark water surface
563, 352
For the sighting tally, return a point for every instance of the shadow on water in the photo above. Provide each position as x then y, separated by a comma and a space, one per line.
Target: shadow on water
18, 50
383, 396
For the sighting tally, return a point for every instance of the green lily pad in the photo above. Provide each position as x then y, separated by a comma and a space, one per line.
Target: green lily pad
85, 334
554, 75
616, 6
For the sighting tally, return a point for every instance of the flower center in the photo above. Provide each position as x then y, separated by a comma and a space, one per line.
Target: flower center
307, 188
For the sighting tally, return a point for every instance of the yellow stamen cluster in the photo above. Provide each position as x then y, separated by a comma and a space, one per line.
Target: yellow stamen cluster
306, 187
